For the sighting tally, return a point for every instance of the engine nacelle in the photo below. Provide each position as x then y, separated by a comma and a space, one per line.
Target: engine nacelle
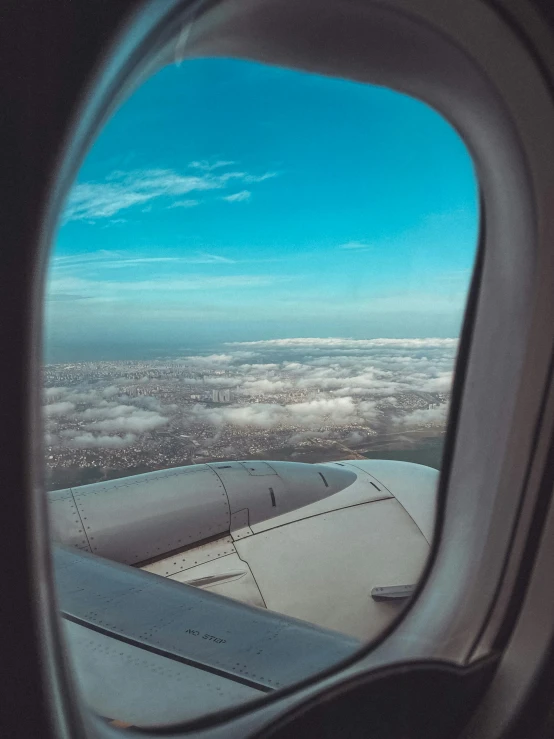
136, 519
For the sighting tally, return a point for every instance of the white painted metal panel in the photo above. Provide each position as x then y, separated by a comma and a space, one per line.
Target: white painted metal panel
294, 485
306, 480
362, 473
361, 491
248, 645
138, 518
322, 569
251, 492
193, 557
258, 468
65, 524
144, 517
240, 526
228, 576
121, 681
413, 485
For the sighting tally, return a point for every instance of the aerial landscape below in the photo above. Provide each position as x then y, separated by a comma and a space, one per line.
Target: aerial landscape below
302, 399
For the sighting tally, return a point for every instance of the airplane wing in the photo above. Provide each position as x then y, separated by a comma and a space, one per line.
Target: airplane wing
181, 591
147, 650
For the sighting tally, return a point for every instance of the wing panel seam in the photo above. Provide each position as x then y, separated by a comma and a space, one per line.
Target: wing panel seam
165, 653
80, 518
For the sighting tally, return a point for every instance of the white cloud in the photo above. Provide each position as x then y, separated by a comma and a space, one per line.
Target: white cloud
238, 197
53, 392
103, 259
350, 343
424, 417
439, 384
258, 415
59, 409
259, 178
92, 441
265, 386
115, 289
354, 437
216, 360
138, 421
205, 166
116, 411
185, 204
122, 190
69, 261
317, 385
313, 413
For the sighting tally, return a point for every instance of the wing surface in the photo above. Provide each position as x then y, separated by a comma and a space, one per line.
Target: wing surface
148, 650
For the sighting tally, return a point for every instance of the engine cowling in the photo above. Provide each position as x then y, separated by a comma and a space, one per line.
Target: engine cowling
136, 519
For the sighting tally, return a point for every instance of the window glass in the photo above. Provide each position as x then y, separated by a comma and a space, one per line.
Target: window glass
258, 284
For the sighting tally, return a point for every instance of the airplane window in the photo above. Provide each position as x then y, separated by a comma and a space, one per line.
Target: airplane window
252, 313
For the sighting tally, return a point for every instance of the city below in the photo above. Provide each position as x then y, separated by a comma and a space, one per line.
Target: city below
307, 400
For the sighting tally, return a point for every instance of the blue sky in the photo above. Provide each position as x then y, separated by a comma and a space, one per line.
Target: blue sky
226, 200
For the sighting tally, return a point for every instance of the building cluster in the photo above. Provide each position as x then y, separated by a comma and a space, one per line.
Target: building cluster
221, 396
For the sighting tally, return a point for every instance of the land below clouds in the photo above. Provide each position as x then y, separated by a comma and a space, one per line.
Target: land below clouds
305, 400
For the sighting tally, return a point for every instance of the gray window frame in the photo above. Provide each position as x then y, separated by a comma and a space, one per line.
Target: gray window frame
472, 67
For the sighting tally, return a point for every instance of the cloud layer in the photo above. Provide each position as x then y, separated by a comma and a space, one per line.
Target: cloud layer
303, 385
122, 190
